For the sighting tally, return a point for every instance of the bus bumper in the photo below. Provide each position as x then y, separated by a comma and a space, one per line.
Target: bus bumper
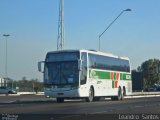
73, 93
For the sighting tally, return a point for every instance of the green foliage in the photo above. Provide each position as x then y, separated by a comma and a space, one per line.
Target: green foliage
151, 72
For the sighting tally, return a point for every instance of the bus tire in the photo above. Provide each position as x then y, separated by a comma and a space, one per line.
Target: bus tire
124, 91
120, 94
91, 95
60, 100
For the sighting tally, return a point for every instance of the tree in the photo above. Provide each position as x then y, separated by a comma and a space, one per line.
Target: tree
150, 71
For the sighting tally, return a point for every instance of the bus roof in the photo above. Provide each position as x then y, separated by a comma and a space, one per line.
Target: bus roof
91, 51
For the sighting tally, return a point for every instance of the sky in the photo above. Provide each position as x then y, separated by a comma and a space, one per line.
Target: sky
33, 29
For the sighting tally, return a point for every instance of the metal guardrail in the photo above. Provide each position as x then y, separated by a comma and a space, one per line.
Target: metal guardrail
42, 93
30, 93
145, 93
133, 93
23, 93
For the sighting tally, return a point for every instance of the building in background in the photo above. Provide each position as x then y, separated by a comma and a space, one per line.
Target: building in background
3, 82
137, 81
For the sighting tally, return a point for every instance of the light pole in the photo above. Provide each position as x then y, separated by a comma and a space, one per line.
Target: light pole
6, 72
111, 24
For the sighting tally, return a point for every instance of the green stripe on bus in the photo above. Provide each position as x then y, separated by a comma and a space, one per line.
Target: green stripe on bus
121, 76
96, 74
112, 84
114, 75
126, 76
99, 74
103, 75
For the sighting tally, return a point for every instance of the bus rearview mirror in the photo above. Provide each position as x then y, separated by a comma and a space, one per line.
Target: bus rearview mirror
40, 66
79, 65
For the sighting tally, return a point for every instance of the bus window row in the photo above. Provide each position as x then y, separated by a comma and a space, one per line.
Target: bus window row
108, 63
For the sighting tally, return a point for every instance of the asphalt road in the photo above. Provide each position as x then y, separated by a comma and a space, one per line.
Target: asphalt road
146, 105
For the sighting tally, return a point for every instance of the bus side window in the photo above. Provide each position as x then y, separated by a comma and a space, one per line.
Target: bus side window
83, 75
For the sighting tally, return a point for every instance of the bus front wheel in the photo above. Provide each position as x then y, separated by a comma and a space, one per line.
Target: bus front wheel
119, 96
91, 95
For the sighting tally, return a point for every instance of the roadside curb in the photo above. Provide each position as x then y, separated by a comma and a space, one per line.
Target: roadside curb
141, 96
28, 101
23, 93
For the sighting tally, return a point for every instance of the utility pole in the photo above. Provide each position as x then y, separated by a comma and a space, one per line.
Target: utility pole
6, 61
60, 40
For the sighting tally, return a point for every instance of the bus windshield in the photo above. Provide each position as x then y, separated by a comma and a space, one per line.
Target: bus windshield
61, 73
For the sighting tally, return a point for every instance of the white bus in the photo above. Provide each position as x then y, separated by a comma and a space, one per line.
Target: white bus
86, 74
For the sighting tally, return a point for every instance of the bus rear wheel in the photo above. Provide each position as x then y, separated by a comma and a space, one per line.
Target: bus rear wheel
91, 95
119, 96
